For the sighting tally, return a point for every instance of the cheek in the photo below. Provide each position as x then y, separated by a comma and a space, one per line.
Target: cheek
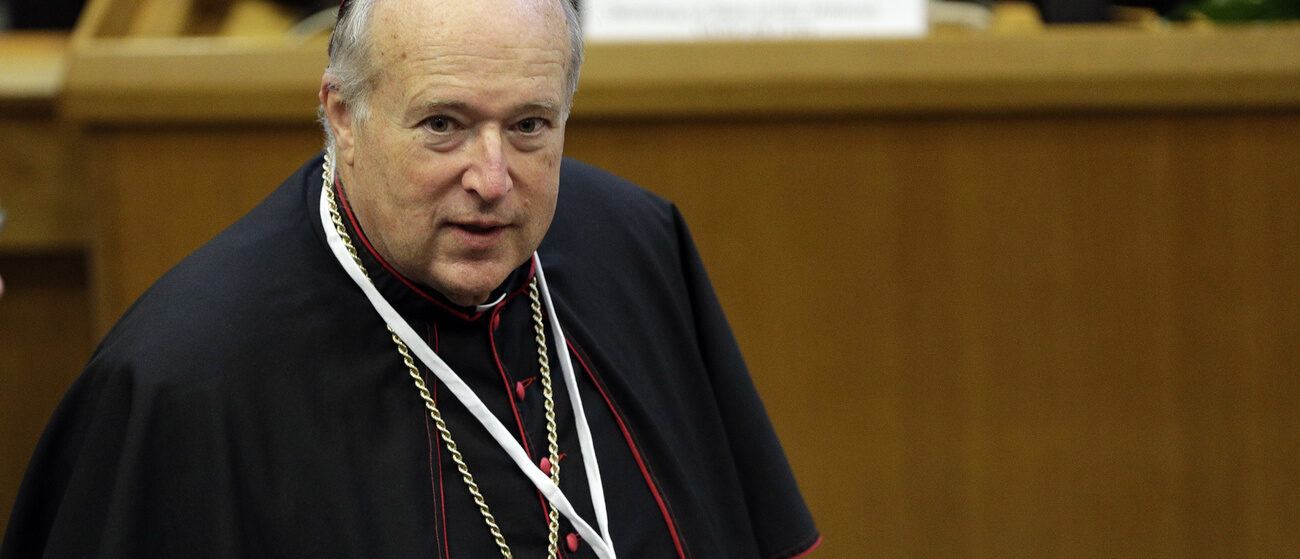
545, 163
374, 154
543, 178
542, 204
400, 172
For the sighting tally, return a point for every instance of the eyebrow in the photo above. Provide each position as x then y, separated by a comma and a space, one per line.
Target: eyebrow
444, 105
439, 105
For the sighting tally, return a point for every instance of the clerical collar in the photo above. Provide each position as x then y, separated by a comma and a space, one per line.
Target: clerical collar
409, 296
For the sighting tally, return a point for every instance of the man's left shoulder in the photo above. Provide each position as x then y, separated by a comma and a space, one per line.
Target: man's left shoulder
613, 237
597, 208
587, 190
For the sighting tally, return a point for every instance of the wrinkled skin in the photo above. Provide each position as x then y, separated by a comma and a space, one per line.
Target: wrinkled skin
454, 172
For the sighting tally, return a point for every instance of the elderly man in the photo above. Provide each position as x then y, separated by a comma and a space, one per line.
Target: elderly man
438, 339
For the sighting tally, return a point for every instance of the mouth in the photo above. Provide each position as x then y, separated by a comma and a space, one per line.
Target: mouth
478, 226
479, 234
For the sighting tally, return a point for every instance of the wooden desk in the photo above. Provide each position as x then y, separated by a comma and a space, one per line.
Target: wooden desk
35, 179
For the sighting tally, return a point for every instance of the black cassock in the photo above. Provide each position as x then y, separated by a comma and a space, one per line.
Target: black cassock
253, 404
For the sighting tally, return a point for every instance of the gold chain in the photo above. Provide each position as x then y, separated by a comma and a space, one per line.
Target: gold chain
553, 447
423, 389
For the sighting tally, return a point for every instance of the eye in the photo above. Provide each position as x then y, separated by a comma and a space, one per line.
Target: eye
440, 124
531, 125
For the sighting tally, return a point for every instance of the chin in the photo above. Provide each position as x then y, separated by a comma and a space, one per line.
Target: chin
471, 284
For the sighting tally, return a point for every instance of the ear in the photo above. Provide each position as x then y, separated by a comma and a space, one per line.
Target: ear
340, 119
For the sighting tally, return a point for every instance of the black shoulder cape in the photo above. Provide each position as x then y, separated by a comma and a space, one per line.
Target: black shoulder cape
251, 404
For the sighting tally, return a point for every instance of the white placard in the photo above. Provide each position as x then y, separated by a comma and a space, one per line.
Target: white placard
695, 20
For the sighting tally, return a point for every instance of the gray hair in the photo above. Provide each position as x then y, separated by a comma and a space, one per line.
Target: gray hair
354, 72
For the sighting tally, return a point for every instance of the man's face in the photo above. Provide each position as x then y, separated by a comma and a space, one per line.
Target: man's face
454, 173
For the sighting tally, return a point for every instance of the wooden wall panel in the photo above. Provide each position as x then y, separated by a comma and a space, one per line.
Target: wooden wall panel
1060, 336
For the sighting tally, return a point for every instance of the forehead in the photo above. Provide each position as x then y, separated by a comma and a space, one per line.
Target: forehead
464, 39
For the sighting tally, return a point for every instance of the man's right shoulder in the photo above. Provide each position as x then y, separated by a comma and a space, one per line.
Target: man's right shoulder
263, 274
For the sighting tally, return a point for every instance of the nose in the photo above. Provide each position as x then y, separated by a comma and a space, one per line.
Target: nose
488, 174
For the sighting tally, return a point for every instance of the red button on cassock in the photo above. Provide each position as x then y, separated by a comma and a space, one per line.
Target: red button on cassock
546, 466
572, 541
519, 390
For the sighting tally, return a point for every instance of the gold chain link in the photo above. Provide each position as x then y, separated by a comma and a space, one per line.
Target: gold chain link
423, 389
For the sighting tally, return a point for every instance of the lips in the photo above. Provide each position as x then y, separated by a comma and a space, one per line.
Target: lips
479, 234
475, 228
